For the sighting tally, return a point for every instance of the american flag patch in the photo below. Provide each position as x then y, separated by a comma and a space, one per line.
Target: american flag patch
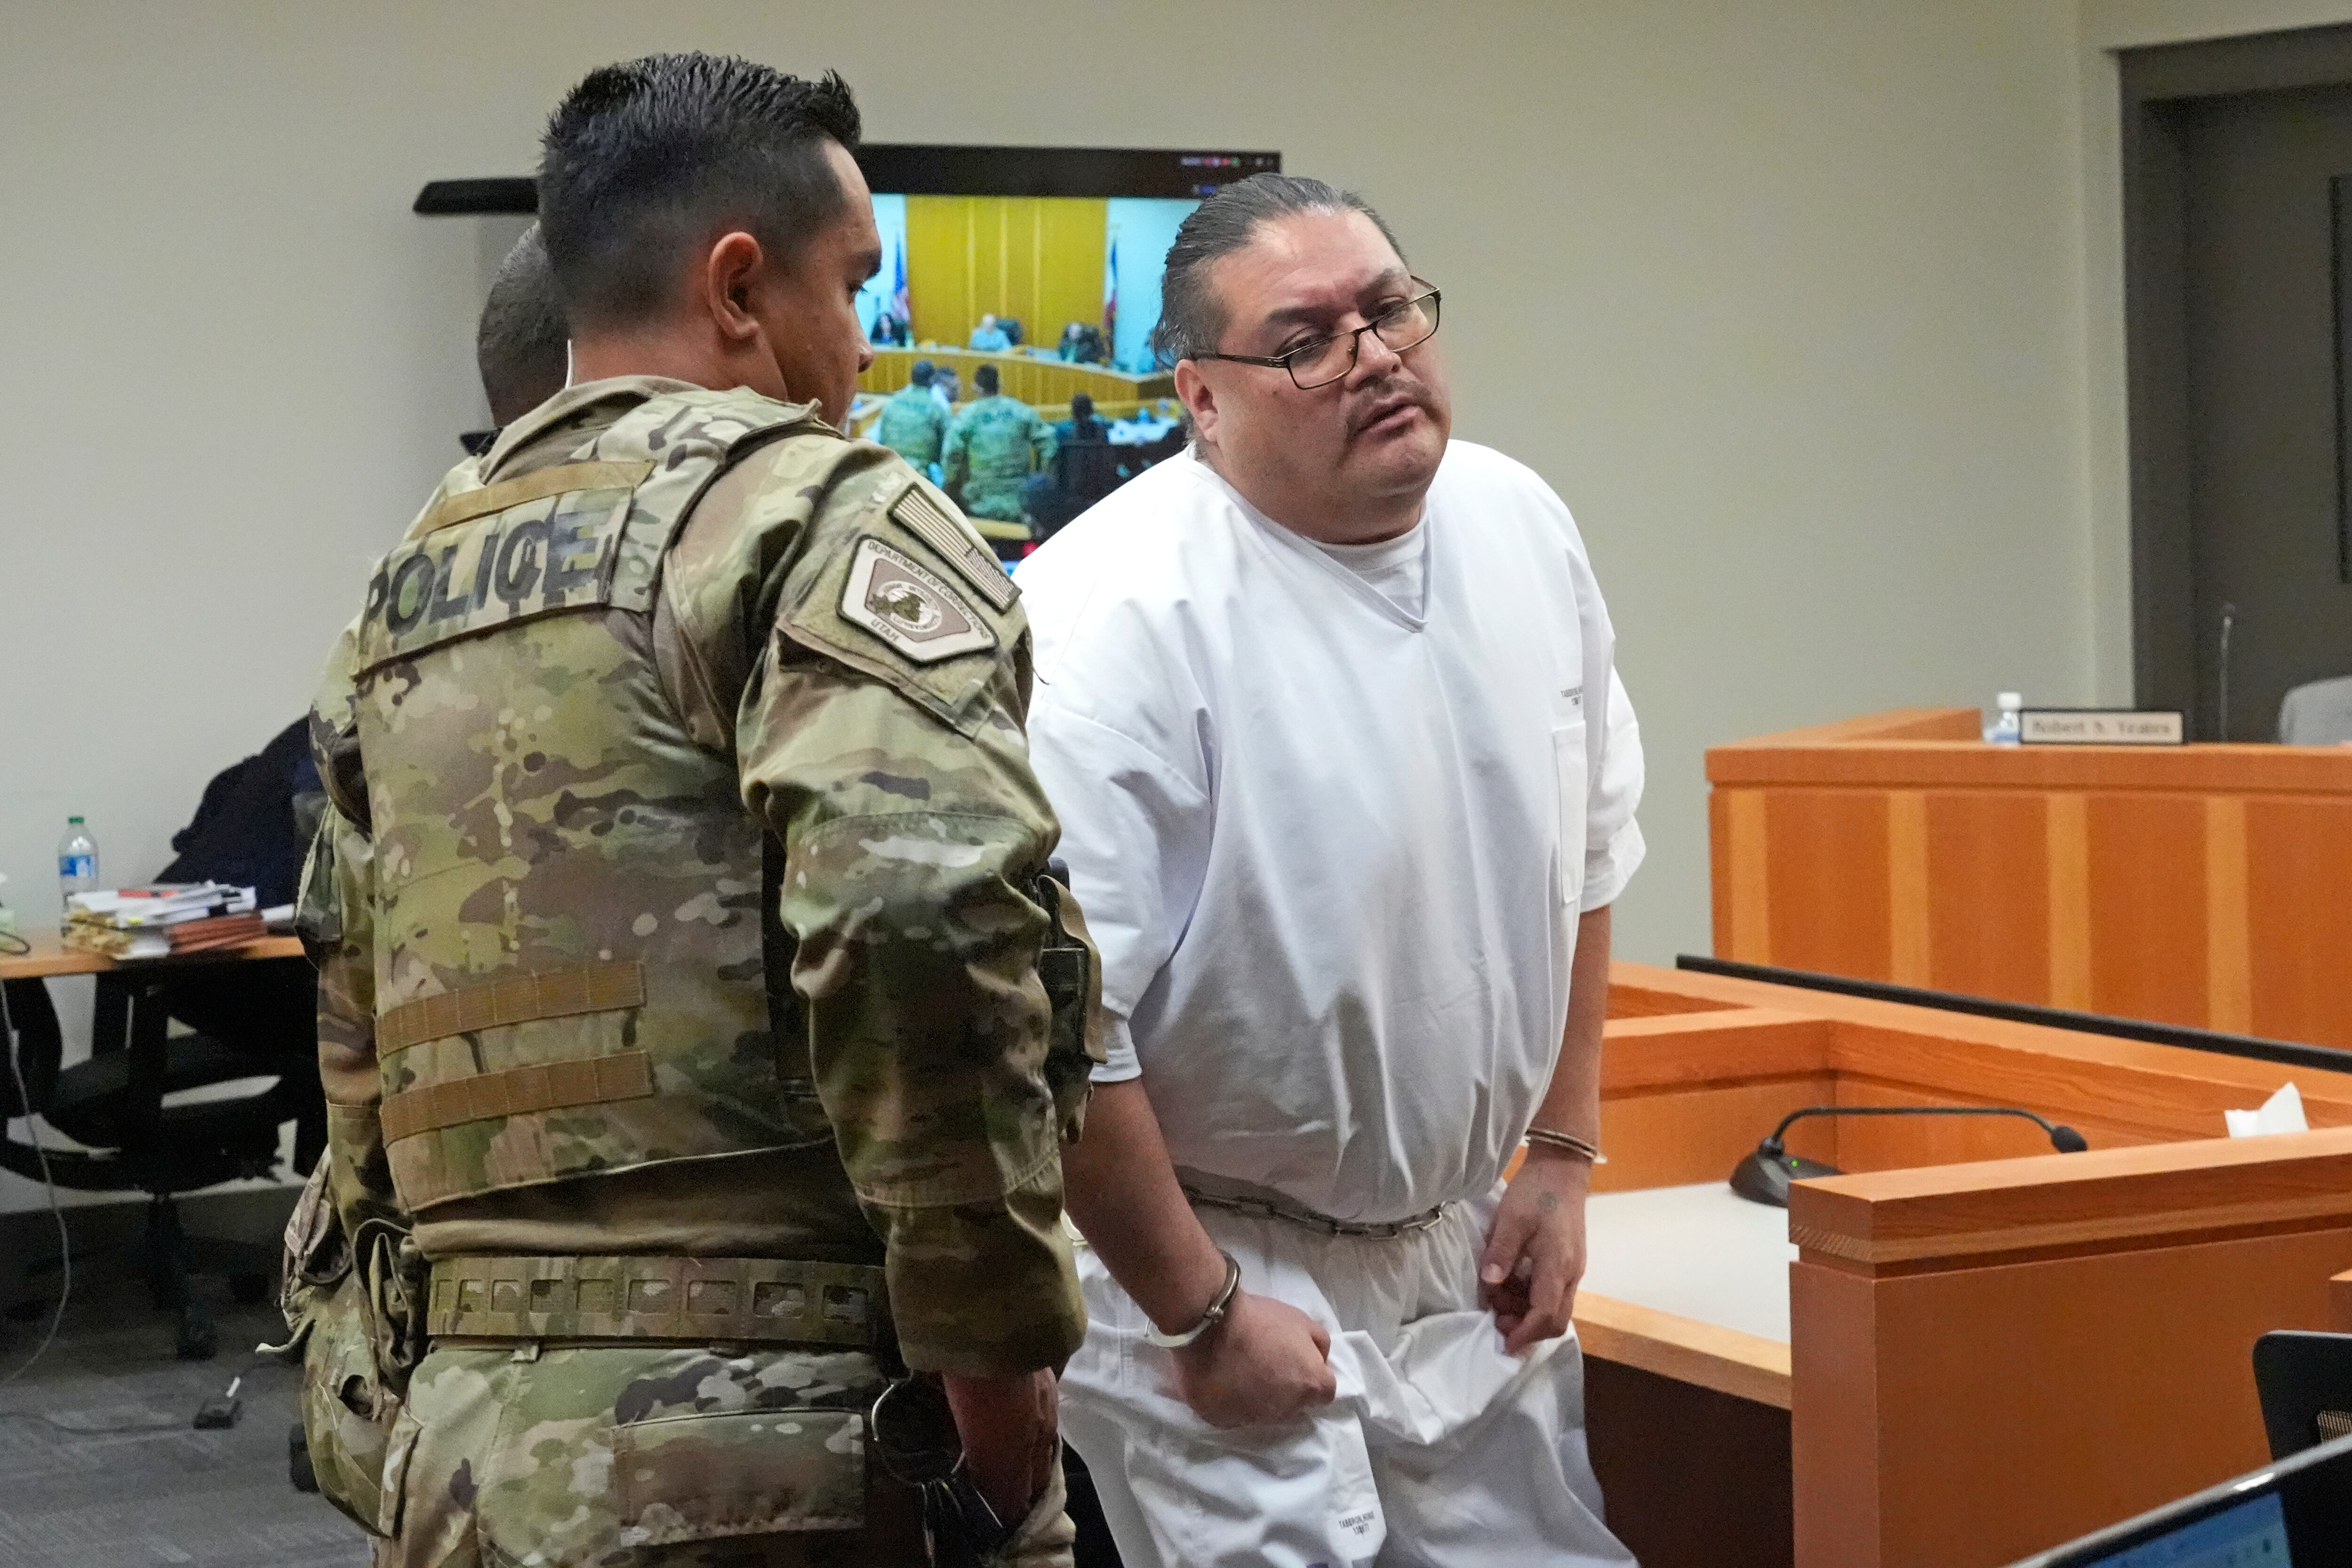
973, 561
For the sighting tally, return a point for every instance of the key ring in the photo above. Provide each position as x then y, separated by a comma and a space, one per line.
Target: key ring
961, 1527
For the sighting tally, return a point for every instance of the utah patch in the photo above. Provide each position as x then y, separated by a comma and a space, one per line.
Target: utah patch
910, 608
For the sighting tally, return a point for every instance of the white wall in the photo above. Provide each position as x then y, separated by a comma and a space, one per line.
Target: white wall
1142, 230
1786, 297
881, 290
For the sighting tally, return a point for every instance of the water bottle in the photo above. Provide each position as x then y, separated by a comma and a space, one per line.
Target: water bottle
2008, 728
77, 859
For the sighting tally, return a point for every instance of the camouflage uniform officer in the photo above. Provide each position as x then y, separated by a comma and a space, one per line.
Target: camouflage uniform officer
992, 447
913, 425
680, 988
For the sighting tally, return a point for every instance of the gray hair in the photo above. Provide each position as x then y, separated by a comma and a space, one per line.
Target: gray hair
1192, 317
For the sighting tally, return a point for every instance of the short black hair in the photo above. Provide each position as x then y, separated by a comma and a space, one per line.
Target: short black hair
921, 375
646, 158
1192, 317
521, 346
1081, 406
985, 378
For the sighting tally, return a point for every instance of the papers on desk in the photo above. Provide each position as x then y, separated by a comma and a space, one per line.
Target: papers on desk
161, 921
2282, 1112
1147, 425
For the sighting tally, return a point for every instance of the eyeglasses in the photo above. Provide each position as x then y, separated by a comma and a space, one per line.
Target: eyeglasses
1404, 324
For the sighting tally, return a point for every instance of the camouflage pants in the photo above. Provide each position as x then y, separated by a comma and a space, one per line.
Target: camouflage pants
622, 1456
996, 500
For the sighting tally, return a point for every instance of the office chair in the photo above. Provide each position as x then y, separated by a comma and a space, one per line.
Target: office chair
2304, 1381
1088, 470
2317, 713
113, 1105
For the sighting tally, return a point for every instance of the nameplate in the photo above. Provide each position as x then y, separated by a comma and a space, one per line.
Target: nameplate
2099, 727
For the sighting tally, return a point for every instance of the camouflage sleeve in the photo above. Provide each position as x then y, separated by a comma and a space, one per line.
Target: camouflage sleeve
338, 925
879, 737
1042, 441
952, 452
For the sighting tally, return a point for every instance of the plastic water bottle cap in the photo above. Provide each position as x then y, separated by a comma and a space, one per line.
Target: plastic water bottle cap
2006, 700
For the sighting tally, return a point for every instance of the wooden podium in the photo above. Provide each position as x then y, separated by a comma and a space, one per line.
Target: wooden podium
2207, 886
1990, 1347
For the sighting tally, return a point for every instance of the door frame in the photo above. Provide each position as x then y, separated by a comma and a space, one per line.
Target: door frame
2157, 83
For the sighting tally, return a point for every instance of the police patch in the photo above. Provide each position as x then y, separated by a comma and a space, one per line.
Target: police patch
909, 607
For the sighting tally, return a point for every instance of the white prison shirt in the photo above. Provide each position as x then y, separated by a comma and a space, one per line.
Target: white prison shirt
1332, 852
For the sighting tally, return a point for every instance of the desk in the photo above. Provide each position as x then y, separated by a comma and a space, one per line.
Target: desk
146, 1145
2197, 885
130, 1014
51, 959
1042, 384
1729, 1266
1990, 1347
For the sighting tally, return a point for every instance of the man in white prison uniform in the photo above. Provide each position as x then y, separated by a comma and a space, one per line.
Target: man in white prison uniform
1347, 783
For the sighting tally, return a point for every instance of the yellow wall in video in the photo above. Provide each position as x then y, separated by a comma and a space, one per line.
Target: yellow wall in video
1038, 259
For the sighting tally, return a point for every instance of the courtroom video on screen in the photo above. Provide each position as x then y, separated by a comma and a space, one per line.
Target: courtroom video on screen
1012, 321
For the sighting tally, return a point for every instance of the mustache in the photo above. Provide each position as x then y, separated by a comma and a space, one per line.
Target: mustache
1375, 404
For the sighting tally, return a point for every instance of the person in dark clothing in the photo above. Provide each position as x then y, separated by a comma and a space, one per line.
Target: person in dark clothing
1084, 471
521, 346
251, 830
1082, 425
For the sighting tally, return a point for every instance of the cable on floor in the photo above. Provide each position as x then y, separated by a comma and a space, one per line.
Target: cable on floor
48, 1184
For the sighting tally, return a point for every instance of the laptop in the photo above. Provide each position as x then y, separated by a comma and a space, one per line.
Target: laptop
2296, 1514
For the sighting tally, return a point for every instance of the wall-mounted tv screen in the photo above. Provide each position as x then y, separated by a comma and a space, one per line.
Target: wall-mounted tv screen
1043, 264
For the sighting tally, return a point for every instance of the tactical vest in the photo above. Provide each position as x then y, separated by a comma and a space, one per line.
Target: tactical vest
575, 934
998, 449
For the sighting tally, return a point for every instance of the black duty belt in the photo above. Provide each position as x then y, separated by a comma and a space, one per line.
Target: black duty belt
633, 1297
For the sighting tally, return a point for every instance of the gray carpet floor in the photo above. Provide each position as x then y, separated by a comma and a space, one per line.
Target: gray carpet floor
88, 1498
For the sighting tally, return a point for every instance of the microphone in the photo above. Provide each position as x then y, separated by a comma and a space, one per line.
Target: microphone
1764, 1175
2229, 620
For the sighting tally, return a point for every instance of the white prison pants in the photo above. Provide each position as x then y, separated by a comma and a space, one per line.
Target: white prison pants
1439, 1452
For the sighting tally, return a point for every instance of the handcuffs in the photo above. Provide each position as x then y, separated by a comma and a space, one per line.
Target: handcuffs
1211, 1315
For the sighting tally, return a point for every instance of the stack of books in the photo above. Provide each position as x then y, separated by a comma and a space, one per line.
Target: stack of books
162, 920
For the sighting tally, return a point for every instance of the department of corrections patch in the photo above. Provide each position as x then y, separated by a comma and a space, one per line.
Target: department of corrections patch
909, 607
